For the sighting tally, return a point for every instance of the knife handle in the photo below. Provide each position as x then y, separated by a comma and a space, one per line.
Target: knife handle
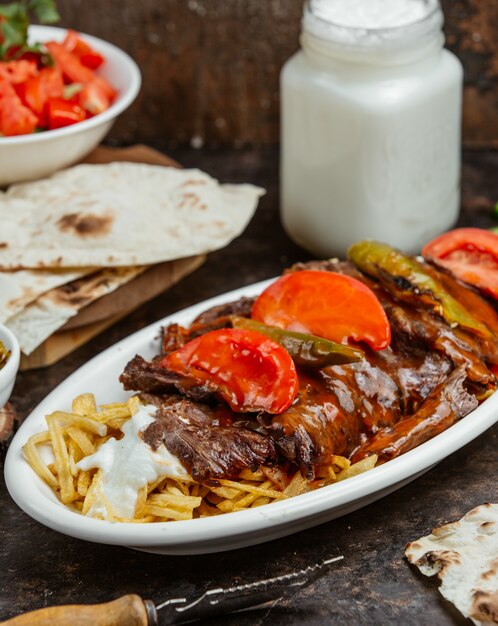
129, 610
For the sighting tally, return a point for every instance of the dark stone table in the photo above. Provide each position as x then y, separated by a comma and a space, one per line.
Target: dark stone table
373, 584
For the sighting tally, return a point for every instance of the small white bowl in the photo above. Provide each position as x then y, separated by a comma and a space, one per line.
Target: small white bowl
28, 157
9, 370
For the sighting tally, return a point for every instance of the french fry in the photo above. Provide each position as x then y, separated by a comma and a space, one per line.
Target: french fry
81, 439
358, 468
66, 485
34, 459
84, 404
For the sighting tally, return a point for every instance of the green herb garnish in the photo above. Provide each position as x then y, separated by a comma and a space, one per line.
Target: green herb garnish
14, 22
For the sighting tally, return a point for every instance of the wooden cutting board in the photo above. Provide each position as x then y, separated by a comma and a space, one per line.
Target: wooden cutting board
96, 317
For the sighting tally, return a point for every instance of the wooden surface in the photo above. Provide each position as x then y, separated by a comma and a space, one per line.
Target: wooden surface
210, 67
372, 586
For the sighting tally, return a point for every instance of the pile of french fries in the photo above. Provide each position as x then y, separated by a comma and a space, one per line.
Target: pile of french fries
73, 436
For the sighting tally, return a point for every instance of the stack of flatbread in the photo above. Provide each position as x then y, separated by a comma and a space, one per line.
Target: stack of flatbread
71, 239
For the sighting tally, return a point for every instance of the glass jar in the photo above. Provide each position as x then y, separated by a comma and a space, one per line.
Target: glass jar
370, 135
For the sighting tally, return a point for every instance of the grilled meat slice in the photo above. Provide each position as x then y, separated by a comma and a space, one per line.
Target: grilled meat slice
206, 439
150, 377
321, 423
175, 336
449, 402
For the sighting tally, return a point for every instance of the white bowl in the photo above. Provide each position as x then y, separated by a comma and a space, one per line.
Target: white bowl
27, 157
9, 370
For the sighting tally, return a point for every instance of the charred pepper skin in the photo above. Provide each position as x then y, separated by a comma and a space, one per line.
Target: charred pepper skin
404, 277
306, 350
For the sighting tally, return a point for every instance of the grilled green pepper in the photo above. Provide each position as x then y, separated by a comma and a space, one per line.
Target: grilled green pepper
4, 355
306, 350
405, 277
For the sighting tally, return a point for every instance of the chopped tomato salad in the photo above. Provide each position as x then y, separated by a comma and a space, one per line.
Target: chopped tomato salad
326, 304
247, 369
470, 254
57, 88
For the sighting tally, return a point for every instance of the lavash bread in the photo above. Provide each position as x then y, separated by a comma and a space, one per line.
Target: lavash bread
41, 318
18, 289
464, 555
120, 214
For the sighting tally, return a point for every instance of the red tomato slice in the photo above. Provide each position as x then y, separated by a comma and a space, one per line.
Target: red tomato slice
80, 48
63, 113
326, 304
69, 64
470, 254
247, 369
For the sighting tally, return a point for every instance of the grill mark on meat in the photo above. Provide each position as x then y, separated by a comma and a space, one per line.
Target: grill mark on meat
194, 433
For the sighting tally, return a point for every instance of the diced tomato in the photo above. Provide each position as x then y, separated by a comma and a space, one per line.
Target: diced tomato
81, 49
62, 113
470, 254
247, 369
107, 90
69, 64
326, 304
36, 91
17, 72
6, 88
93, 99
15, 118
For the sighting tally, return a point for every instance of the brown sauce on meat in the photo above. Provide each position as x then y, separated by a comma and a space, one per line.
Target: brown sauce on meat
393, 400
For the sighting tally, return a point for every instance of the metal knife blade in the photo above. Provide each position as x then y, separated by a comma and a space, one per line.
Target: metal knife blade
221, 601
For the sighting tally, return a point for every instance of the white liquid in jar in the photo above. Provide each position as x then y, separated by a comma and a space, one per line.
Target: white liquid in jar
372, 13
370, 128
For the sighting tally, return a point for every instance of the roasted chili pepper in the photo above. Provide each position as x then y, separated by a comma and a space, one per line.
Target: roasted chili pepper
405, 277
306, 350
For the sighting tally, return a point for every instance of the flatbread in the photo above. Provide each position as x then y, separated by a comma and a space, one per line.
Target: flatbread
40, 319
120, 214
464, 555
18, 289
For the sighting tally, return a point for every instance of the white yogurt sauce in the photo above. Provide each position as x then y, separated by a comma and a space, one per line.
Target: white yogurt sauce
128, 465
372, 13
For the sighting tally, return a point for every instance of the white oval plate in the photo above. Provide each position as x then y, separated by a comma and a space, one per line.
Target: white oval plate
224, 532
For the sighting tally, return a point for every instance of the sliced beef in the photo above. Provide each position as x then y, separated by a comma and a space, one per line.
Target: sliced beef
150, 377
206, 440
449, 402
241, 307
323, 422
175, 336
